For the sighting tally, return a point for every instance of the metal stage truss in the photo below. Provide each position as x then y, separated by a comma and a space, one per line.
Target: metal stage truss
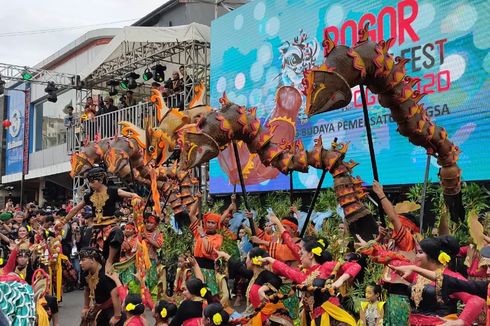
61, 80
193, 55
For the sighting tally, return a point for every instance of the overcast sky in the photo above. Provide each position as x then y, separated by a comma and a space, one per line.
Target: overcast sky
18, 16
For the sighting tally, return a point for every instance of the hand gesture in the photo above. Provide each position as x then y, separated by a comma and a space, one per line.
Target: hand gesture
192, 261
263, 297
12, 246
267, 260
382, 232
222, 254
274, 219
337, 284
256, 239
378, 189
403, 271
249, 214
361, 242
85, 312
293, 209
114, 321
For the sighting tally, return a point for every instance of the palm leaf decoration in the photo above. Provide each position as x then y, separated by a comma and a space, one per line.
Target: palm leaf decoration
175, 244
229, 245
475, 197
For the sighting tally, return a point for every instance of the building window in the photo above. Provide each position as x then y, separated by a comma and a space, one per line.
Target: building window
49, 121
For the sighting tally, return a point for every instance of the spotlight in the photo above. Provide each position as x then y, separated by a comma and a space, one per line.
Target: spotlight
124, 83
112, 87
26, 75
159, 73
132, 76
147, 75
2, 86
51, 89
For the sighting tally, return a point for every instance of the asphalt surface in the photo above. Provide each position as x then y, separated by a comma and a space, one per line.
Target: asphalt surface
71, 307
69, 311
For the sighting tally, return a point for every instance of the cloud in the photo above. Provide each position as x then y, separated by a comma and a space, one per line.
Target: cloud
29, 15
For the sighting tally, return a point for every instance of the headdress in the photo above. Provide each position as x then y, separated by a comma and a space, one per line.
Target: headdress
91, 253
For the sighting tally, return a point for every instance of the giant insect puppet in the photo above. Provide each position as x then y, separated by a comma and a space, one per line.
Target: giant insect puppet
328, 87
203, 133
139, 155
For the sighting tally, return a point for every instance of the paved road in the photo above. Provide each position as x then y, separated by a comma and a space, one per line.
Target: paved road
71, 307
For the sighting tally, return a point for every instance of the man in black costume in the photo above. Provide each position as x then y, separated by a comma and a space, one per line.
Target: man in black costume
102, 305
103, 199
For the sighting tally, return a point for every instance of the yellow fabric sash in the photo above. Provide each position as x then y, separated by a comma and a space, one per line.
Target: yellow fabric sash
268, 310
42, 315
59, 275
335, 312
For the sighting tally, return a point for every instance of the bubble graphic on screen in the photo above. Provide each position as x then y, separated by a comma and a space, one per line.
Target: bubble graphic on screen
259, 11
273, 26
425, 16
241, 100
238, 24
309, 179
486, 63
255, 97
231, 96
264, 54
335, 15
456, 65
240, 80
256, 71
461, 19
221, 85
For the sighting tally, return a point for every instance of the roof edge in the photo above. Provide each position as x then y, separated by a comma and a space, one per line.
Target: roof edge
78, 43
166, 6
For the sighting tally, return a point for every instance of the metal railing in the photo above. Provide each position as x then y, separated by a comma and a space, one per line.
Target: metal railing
106, 125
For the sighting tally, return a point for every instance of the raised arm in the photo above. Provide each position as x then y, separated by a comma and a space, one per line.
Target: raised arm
284, 270
127, 194
194, 209
74, 211
231, 208
387, 206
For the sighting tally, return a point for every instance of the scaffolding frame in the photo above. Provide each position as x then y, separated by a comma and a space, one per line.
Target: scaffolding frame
193, 55
61, 80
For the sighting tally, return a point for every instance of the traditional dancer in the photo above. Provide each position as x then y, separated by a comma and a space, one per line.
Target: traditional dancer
207, 241
163, 313
318, 307
190, 310
428, 306
262, 284
103, 200
154, 241
102, 306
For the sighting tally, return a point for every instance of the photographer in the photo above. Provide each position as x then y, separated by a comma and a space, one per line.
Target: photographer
74, 250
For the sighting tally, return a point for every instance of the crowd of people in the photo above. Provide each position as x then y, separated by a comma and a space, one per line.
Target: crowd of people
172, 90
110, 246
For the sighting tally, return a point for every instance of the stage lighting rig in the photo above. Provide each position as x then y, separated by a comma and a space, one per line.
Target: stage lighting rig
159, 73
112, 87
132, 77
51, 89
26, 75
2, 86
147, 75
